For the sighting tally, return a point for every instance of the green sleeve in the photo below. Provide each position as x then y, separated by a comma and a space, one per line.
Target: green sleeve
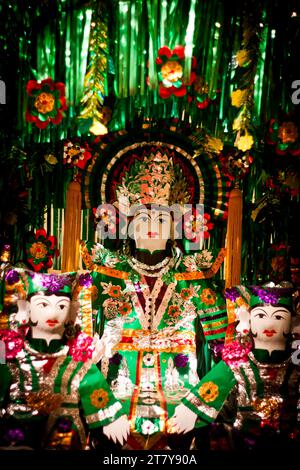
207, 398
212, 311
5, 380
99, 404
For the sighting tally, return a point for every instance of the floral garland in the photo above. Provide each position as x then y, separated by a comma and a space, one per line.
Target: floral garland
81, 348
242, 97
40, 249
46, 102
235, 353
171, 70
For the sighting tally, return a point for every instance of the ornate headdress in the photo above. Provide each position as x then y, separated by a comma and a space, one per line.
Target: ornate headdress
153, 180
154, 165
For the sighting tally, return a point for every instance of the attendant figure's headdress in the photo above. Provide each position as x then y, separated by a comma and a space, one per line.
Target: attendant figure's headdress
50, 283
273, 296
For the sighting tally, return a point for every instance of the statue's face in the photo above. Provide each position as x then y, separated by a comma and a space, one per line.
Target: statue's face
49, 313
270, 324
152, 224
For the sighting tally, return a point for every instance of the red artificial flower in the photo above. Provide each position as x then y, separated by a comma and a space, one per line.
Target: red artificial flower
170, 75
284, 136
40, 249
76, 154
46, 102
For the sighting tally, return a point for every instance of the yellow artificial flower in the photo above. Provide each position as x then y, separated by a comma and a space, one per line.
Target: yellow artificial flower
245, 142
172, 71
51, 159
209, 391
213, 144
237, 123
242, 57
238, 97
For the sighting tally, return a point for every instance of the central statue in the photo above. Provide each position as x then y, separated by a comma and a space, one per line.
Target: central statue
155, 309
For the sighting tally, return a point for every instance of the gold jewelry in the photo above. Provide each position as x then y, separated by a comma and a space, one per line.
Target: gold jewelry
148, 271
152, 267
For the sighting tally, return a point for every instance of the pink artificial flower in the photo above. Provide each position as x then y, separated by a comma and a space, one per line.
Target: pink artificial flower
81, 348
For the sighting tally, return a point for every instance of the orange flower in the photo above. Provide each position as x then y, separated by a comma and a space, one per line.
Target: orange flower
209, 391
44, 103
208, 297
288, 132
115, 291
174, 311
125, 308
99, 398
186, 293
38, 250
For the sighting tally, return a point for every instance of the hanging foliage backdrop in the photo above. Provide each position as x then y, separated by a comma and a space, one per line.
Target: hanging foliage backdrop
219, 71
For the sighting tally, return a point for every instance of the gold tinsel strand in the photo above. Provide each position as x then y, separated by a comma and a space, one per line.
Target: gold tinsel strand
72, 231
234, 238
95, 78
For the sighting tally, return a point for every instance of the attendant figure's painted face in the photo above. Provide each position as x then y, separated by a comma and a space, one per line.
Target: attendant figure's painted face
49, 313
270, 324
152, 227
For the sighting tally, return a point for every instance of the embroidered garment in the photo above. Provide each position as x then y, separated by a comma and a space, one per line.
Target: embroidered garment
49, 399
266, 392
153, 321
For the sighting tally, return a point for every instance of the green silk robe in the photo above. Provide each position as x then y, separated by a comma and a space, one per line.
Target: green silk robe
154, 330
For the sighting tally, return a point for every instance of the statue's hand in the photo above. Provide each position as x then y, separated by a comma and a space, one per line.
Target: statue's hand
118, 431
183, 420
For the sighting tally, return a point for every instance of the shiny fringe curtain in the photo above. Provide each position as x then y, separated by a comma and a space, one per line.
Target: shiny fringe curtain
40, 39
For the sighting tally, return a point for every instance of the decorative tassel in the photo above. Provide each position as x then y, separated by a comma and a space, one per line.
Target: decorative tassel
72, 229
234, 238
